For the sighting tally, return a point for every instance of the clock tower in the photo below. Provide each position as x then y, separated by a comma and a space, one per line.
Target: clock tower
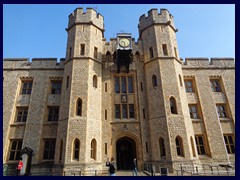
124, 50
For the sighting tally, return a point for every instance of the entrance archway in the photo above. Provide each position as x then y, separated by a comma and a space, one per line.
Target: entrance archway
126, 151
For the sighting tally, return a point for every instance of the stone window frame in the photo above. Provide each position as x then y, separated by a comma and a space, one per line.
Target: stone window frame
191, 112
154, 81
53, 113
222, 111
82, 49
15, 147
162, 149
151, 54
21, 114
165, 49
230, 146
179, 146
49, 148
26, 86
118, 84
56, 85
93, 153
76, 149
216, 84
201, 144
79, 107
95, 81
189, 85
119, 114
173, 105
95, 55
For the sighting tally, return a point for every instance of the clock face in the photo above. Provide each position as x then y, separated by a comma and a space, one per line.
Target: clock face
124, 42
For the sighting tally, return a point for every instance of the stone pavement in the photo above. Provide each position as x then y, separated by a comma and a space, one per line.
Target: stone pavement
128, 173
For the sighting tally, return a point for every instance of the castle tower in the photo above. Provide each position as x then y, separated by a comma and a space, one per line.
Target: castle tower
79, 130
169, 121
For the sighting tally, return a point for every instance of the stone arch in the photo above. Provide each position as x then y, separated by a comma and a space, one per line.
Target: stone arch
131, 138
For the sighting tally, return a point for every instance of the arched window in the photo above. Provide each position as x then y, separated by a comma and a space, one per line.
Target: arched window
193, 148
95, 81
162, 147
179, 146
108, 56
137, 56
173, 105
154, 80
94, 149
76, 149
67, 84
79, 107
180, 80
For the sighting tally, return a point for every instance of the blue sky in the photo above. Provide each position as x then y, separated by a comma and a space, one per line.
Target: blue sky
38, 31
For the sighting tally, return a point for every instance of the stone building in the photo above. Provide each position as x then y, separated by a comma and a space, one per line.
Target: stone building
120, 99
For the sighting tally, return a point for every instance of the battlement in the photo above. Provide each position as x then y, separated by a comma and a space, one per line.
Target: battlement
35, 63
206, 63
90, 16
164, 17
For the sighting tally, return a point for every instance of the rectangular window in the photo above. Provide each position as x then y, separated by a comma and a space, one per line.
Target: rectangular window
143, 110
124, 87
53, 113
105, 114
105, 148
146, 147
221, 109
189, 86
105, 87
124, 111
131, 110
130, 84
165, 51
22, 113
15, 149
26, 87
117, 111
49, 149
56, 87
200, 144
193, 111
82, 49
117, 84
141, 86
229, 142
95, 52
151, 52
215, 85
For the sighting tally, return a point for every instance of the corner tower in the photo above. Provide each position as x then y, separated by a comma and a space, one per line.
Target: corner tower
168, 114
80, 115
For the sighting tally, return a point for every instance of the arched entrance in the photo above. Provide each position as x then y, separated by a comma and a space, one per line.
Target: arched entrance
126, 151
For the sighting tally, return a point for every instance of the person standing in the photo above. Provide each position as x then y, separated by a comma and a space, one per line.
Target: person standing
19, 167
111, 167
134, 167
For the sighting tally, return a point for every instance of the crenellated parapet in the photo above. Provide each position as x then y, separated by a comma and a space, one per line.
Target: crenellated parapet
35, 63
153, 18
88, 17
209, 63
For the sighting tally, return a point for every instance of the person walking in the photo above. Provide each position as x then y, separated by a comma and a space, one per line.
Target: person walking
19, 167
112, 168
134, 167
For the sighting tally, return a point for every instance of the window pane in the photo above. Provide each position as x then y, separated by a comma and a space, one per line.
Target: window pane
124, 109
123, 84
130, 84
117, 85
